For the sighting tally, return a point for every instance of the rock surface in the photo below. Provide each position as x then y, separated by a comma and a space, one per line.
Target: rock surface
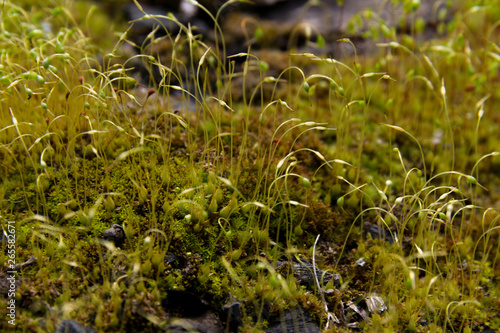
302, 270
72, 326
293, 320
378, 232
284, 22
191, 314
233, 315
115, 234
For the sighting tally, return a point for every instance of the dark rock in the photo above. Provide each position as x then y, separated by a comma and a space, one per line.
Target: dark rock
173, 260
72, 326
167, 4
184, 14
115, 234
232, 315
184, 304
191, 314
206, 323
379, 233
302, 270
293, 320
268, 2
282, 16
327, 18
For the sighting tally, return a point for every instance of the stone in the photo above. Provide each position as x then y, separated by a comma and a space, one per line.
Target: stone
293, 320
328, 18
115, 234
302, 270
380, 233
232, 315
72, 326
190, 313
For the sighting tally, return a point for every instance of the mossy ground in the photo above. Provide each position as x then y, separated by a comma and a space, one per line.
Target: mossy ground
233, 166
